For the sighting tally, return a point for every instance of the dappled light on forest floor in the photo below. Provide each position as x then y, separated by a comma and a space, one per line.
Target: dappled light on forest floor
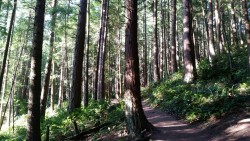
171, 129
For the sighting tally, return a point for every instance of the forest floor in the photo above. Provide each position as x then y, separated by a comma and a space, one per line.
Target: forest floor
233, 127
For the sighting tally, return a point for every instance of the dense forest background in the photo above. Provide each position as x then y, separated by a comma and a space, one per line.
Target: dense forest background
63, 62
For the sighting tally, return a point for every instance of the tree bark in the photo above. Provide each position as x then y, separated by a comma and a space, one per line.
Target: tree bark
234, 38
218, 26
3, 93
26, 81
86, 82
168, 51
136, 119
226, 40
247, 29
210, 31
161, 53
206, 32
33, 128
11, 92
172, 36
189, 67
7, 43
164, 45
76, 89
52, 88
192, 49
26, 67
64, 73
196, 44
156, 50
62, 78
102, 46
145, 59
96, 74
45, 88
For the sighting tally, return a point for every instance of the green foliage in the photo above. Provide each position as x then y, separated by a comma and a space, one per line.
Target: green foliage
61, 123
220, 68
22, 106
19, 135
197, 101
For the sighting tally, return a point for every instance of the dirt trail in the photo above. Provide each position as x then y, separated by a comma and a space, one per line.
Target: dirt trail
171, 129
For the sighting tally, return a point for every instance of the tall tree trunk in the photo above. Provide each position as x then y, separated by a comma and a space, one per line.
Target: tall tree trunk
192, 39
161, 44
52, 88
172, 36
120, 65
189, 68
102, 44
168, 54
196, 40
7, 43
45, 88
108, 69
96, 73
3, 92
11, 92
145, 60
204, 12
226, 40
178, 47
86, 82
101, 47
247, 29
136, 119
163, 13
20, 79
62, 78
33, 128
68, 86
25, 68
76, 89
218, 26
240, 31
63, 73
150, 66
26, 81
156, 50
234, 38
210, 31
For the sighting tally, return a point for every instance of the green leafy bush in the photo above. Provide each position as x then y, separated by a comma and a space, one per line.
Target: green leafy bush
220, 68
61, 123
193, 102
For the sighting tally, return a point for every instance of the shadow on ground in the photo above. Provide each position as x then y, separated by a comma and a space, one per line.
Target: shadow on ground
229, 128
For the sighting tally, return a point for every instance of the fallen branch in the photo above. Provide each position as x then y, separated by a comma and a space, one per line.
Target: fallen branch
85, 134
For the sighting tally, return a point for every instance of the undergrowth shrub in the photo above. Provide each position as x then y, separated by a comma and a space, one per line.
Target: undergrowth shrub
97, 113
193, 102
61, 123
220, 68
